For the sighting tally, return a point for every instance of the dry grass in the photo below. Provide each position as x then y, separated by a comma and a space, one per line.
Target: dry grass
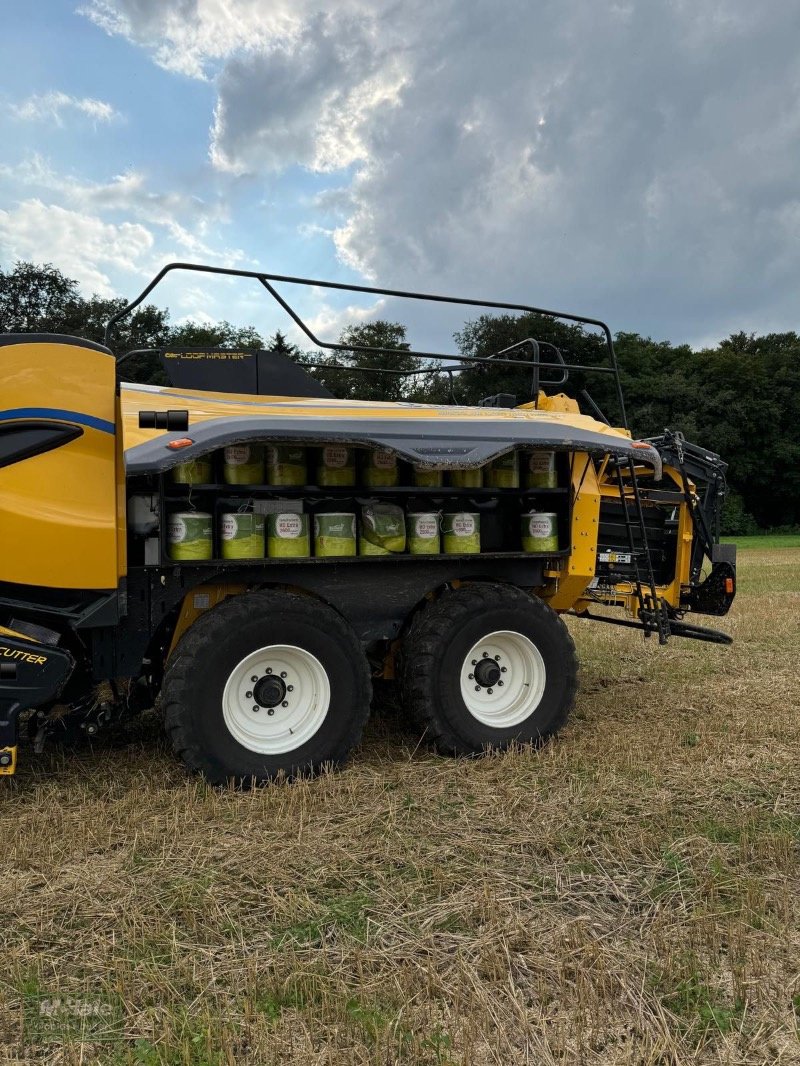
627, 895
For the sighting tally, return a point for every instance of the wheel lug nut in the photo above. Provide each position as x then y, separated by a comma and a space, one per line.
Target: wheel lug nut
254, 679
248, 695
271, 711
471, 677
489, 691
474, 662
477, 688
268, 670
256, 707
500, 683
486, 655
283, 673
503, 670
497, 658
285, 703
290, 688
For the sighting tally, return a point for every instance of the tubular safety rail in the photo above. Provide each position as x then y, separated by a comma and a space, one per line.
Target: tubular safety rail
536, 364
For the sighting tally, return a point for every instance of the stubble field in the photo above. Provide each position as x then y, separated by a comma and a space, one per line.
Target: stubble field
627, 895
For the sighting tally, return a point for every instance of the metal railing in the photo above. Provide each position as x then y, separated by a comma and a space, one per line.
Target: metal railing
536, 364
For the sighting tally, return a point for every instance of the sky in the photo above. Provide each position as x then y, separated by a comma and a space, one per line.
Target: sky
637, 162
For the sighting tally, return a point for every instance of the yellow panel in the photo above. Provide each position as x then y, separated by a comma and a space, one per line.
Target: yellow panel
201, 599
58, 510
578, 570
8, 761
58, 521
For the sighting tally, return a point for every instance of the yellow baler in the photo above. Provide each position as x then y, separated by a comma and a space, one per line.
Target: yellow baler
264, 662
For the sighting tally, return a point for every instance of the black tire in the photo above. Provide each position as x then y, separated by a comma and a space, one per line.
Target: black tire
435, 651
216, 646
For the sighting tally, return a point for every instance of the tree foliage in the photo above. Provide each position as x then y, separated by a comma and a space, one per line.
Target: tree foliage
346, 372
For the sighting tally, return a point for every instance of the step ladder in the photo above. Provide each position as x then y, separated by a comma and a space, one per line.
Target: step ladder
653, 610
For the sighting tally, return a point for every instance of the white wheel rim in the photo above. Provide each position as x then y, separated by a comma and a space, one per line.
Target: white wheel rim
306, 695
518, 677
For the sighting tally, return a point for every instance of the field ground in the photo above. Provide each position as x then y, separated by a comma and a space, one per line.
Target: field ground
628, 895
765, 542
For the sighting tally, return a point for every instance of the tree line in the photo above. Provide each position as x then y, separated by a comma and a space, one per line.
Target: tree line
740, 398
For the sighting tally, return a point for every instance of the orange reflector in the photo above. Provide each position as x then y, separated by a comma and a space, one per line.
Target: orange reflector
638, 444
729, 585
181, 442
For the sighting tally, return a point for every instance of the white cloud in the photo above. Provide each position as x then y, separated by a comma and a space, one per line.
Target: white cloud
82, 245
187, 222
633, 161
52, 106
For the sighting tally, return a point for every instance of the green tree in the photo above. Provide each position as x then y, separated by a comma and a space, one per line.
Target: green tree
213, 335
346, 373
34, 299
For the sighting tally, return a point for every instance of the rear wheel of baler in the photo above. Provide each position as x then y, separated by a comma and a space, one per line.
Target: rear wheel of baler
266, 683
486, 665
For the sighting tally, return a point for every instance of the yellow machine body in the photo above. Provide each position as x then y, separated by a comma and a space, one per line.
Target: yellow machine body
59, 509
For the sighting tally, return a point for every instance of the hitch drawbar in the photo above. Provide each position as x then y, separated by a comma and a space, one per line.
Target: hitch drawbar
31, 674
677, 628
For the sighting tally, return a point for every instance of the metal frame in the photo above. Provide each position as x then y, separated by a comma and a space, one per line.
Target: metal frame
535, 363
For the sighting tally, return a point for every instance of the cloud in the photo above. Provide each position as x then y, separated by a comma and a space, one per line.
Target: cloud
188, 222
83, 245
631, 161
52, 106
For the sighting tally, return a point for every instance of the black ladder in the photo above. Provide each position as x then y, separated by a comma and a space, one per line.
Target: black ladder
653, 611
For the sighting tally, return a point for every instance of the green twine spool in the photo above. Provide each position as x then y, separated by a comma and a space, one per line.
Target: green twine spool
366, 547
195, 472
287, 536
541, 473
539, 532
380, 468
336, 467
426, 478
467, 479
503, 473
286, 465
422, 533
244, 464
189, 536
383, 524
334, 534
242, 535
461, 533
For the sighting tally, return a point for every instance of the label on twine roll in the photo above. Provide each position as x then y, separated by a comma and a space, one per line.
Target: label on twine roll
539, 532
189, 536
541, 472
242, 536
244, 464
286, 465
287, 536
336, 466
335, 534
422, 533
461, 533
503, 473
380, 468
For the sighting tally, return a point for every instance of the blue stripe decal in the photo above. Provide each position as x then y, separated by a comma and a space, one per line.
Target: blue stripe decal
62, 416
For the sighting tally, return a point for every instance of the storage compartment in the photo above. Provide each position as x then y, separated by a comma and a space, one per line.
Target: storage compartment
497, 511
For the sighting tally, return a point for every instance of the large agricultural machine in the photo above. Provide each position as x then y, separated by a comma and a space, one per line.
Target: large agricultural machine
247, 552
